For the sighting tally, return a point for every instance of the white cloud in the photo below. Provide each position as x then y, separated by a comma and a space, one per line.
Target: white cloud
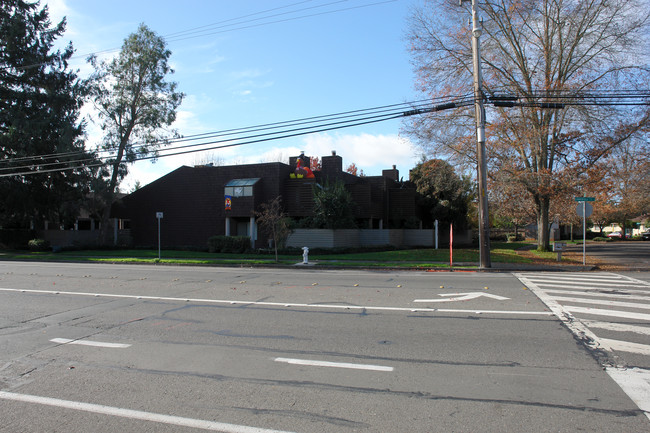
370, 153
58, 9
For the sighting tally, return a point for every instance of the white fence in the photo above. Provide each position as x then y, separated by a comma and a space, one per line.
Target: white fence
353, 238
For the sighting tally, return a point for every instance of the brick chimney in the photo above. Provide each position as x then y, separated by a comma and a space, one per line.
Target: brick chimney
332, 166
391, 173
305, 160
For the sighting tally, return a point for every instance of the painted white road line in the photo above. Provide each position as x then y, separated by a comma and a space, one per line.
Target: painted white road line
596, 285
281, 304
462, 297
636, 384
314, 363
623, 294
587, 287
136, 414
590, 339
608, 313
596, 277
621, 304
627, 346
90, 343
581, 279
618, 327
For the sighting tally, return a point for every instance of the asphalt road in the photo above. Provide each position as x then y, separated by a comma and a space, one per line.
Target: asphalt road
109, 348
630, 254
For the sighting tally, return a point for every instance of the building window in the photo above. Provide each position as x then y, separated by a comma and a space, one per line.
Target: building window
240, 187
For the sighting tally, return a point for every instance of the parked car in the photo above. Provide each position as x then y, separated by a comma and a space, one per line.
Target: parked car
645, 236
616, 235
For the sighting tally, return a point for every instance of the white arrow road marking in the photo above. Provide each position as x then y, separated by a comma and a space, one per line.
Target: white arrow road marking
314, 363
463, 297
636, 384
90, 343
136, 414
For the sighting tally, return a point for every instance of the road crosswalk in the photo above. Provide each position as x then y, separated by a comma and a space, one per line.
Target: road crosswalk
611, 309
608, 312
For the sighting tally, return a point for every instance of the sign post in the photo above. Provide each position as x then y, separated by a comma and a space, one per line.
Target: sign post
159, 216
584, 210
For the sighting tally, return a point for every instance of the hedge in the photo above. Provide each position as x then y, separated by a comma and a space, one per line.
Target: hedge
229, 244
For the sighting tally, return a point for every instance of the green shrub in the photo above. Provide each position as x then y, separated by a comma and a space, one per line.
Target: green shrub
229, 244
39, 245
512, 238
601, 239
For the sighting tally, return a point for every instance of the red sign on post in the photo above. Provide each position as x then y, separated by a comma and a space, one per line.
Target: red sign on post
451, 245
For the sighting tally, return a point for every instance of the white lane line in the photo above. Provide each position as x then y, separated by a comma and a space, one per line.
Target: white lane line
603, 302
90, 343
281, 304
627, 346
314, 363
136, 414
636, 384
618, 327
608, 313
623, 294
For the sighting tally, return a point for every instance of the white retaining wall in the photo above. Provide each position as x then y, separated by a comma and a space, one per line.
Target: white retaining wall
353, 238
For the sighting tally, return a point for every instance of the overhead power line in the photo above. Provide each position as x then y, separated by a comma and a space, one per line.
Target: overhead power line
39, 164
248, 21
220, 139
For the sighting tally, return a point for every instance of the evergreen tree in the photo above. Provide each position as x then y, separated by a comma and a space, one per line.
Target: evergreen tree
135, 103
40, 129
442, 191
333, 207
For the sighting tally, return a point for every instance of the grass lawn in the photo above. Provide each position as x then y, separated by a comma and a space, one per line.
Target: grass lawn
501, 252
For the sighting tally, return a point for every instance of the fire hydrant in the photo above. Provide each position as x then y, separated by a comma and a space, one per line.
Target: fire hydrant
305, 255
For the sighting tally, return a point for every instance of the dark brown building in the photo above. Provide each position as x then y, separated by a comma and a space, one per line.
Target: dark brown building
203, 201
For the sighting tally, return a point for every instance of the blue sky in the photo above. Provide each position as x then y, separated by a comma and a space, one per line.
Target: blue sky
352, 58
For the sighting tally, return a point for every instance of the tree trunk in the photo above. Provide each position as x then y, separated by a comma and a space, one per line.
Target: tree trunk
543, 231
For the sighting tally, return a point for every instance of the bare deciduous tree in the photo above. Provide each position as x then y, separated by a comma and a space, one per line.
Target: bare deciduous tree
533, 49
275, 222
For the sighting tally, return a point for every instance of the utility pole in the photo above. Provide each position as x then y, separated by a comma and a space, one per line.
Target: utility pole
484, 225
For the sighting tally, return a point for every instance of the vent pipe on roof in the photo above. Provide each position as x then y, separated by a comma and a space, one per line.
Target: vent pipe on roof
334, 153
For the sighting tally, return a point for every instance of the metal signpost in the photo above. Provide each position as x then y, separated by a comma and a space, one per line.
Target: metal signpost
584, 210
159, 216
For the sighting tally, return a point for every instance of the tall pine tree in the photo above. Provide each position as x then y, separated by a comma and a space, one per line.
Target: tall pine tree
41, 134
